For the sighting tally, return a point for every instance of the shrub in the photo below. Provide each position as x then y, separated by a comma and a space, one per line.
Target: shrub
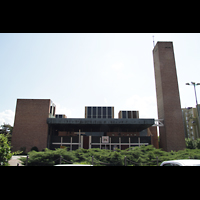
34, 149
5, 151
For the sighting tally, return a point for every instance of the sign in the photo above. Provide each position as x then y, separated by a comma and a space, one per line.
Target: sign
105, 139
79, 133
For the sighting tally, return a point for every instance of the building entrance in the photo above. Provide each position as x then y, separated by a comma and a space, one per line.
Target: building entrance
86, 142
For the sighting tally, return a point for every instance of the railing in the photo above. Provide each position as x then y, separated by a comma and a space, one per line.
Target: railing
115, 143
100, 143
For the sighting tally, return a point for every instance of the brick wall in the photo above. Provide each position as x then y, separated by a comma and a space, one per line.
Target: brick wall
168, 100
30, 125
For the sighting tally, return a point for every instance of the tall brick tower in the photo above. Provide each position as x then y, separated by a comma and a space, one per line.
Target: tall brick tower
30, 126
168, 100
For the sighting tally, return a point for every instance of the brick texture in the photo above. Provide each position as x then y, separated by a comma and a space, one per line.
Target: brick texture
30, 125
168, 100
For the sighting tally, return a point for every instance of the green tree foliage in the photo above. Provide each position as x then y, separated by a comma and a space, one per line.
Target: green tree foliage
192, 144
6, 129
137, 156
5, 151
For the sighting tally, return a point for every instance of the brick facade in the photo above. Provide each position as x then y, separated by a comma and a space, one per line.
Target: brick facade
168, 100
30, 125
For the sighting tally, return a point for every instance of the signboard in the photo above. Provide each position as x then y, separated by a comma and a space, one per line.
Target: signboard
79, 133
105, 139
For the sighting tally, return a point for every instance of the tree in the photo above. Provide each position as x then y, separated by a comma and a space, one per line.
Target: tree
5, 151
7, 129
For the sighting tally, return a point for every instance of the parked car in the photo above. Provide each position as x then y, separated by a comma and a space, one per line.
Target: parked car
186, 162
70, 165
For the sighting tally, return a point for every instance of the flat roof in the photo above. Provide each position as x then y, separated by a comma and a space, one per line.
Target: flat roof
134, 124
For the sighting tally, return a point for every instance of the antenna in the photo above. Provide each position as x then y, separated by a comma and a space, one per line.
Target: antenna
153, 41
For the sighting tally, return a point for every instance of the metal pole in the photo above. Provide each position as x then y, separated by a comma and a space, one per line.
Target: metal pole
110, 143
71, 144
157, 160
139, 141
60, 159
196, 106
79, 138
195, 93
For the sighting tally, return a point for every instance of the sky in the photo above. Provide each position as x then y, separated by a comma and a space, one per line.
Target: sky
75, 70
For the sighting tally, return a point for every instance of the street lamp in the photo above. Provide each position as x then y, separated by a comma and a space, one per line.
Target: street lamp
194, 84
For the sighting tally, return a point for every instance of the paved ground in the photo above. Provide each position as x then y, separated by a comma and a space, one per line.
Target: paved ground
14, 160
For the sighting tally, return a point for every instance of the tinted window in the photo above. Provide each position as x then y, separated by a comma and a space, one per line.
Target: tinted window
134, 114
129, 114
168, 164
176, 165
89, 112
104, 112
109, 110
94, 112
99, 112
123, 114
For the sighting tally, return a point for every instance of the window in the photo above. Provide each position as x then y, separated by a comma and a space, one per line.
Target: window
99, 112
109, 112
123, 114
129, 114
94, 112
89, 112
53, 110
134, 114
176, 164
104, 112
167, 164
50, 109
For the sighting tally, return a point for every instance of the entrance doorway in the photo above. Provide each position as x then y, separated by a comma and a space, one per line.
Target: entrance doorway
86, 142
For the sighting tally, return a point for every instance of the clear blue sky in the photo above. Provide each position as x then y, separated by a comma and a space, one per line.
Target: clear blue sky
77, 70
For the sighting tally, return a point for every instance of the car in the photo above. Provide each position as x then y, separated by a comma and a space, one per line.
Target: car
186, 162
70, 165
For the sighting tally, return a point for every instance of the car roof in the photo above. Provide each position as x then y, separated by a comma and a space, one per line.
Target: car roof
185, 162
69, 165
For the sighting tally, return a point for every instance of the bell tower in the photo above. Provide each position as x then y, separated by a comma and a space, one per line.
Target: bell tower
168, 99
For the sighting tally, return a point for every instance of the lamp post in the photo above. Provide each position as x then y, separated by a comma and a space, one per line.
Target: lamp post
195, 84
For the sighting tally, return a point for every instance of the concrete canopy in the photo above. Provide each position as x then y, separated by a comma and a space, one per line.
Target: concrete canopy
85, 124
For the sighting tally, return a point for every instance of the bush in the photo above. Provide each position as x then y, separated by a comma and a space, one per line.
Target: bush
48, 157
142, 156
5, 150
34, 149
190, 143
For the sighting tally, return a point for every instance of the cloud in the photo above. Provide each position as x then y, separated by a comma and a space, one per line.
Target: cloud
105, 100
7, 117
146, 105
117, 66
